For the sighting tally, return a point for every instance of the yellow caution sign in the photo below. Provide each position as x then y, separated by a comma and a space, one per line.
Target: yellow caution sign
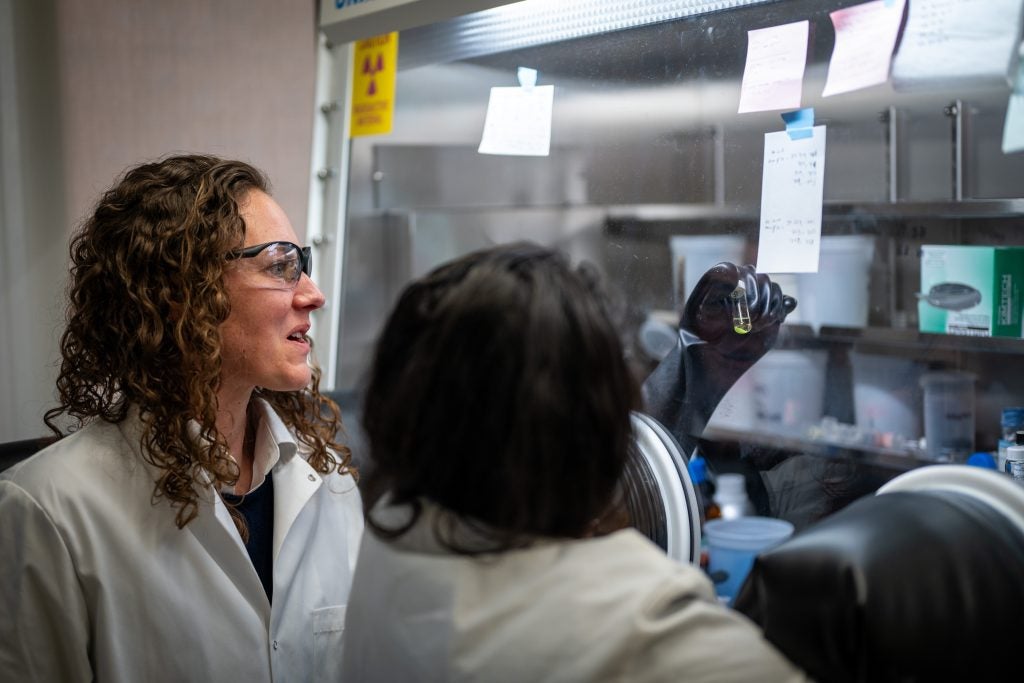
373, 85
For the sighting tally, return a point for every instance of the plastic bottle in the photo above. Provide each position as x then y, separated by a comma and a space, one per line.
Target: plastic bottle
732, 496
1015, 459
1011, 420
705, 488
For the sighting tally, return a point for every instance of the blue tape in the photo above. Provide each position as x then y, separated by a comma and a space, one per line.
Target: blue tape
799, 123
527, 77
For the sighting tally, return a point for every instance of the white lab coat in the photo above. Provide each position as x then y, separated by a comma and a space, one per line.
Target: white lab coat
97, 582
613, 608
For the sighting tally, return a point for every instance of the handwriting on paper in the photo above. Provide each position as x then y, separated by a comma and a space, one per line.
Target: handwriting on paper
774, 71
865, 38
950, 41
792, 187
518, 121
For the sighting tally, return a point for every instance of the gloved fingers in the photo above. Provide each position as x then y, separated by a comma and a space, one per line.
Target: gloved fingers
775, 309
710, 308
761, 307
717, 283
707, 313
748, 276
765, 299
758, 288
779, 305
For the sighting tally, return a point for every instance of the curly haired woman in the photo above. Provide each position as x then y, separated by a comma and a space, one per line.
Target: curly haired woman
197, 520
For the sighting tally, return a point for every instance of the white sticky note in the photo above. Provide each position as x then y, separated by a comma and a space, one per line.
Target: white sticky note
958, 41
518, 121
774, 72
865, 38
792, 187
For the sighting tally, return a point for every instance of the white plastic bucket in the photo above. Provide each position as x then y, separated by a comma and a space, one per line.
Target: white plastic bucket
693, 255
734, 543
887, 394
789, 389
838, 293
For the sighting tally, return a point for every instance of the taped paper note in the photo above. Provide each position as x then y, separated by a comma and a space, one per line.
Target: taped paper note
954, 41
865, 38
792, 186
518, 121
774, 72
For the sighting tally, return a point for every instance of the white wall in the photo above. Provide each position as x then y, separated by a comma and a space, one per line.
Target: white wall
89, 87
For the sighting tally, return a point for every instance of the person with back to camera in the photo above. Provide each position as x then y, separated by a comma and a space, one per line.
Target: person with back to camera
199, 522
498, 419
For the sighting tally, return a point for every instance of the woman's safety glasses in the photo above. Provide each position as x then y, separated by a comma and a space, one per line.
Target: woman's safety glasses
283, 261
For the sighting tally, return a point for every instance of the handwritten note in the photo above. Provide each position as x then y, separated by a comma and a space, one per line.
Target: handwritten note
792, 185
518, 121
865, 38
774, 72
952, 41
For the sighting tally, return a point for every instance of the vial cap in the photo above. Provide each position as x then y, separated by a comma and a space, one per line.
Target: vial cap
698, 470
1019, 438
982, 459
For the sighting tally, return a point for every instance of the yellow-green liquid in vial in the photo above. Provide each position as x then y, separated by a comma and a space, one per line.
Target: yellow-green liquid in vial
740, 310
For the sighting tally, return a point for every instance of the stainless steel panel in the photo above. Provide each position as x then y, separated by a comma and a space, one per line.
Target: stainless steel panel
376, 267
418, 176
925, 153
387, 250
855, 159
988, 172
441, 235
673, 167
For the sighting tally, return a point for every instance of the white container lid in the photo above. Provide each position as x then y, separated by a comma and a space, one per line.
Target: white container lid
747, 533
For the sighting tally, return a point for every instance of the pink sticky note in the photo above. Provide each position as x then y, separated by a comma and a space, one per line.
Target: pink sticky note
865, 38
774, 72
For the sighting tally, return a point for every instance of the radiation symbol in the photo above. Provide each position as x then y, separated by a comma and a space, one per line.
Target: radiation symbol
370, 68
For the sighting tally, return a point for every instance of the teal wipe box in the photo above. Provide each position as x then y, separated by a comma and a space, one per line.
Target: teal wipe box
971, 290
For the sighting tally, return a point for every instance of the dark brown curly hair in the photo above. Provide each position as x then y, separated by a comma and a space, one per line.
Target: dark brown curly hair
522, 395
146, 300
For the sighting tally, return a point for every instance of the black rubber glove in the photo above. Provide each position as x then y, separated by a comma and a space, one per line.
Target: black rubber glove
905, 586
688, 384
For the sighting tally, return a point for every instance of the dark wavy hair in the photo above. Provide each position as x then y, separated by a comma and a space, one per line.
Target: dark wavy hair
499, 391
146, 299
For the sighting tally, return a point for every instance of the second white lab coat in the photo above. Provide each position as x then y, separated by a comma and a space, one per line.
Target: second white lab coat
613, 608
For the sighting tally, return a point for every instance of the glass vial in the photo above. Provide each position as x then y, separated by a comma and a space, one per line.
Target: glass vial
740, 310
